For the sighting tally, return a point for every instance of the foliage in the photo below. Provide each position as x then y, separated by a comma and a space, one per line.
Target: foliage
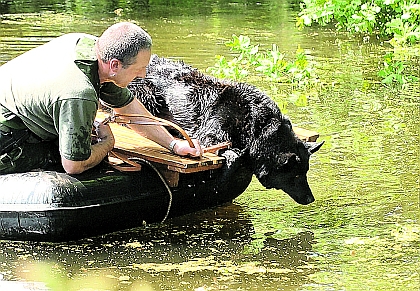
398, 19
270, 64
393, 71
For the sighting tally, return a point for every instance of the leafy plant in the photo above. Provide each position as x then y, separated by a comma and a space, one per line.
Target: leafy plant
393, 71
271, 64
404, 32
228, 69
398, 19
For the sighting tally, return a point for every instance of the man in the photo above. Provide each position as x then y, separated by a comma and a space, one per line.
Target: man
49, 98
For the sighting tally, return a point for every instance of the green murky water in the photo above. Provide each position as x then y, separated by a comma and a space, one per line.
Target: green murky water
361, 233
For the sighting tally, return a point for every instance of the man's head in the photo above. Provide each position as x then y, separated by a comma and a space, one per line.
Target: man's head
123, 51
123, 41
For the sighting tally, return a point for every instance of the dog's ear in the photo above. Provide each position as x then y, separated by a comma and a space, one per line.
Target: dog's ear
313, 146
286, 158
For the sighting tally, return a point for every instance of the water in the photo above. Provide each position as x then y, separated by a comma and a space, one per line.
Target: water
361, 233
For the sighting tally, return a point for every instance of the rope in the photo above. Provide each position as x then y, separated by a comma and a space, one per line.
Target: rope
159, 121
164, 183
116, 118
133, 166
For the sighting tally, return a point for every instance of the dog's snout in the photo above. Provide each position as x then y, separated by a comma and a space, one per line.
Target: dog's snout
310, 199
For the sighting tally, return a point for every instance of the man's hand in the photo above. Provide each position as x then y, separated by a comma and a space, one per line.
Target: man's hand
183, 148
103, 131
105, 143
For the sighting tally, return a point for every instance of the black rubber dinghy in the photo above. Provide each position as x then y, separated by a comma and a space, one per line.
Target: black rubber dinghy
54, 206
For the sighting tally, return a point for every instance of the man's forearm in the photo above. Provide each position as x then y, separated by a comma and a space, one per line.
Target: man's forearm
98, 153
156, 133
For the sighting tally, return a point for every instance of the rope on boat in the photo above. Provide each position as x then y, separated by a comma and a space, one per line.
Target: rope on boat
164, 183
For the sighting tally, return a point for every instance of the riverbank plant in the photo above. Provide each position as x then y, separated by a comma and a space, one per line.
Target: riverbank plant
395, 21
393, 71
271, 65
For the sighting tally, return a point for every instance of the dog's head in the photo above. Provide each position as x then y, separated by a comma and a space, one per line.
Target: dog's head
282, 160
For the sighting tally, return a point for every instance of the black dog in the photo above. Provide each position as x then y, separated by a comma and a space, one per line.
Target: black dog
215, 111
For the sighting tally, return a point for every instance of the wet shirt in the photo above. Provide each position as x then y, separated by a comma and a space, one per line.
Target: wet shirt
54, 91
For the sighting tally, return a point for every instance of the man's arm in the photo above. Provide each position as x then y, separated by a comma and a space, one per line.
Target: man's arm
158, 133
98, 152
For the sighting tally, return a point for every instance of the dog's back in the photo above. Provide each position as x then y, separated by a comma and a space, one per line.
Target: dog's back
214, 111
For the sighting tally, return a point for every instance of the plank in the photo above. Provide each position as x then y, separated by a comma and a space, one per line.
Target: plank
132, 144
305, 134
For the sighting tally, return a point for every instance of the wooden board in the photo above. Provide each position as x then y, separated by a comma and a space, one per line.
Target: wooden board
306, 135
132, 144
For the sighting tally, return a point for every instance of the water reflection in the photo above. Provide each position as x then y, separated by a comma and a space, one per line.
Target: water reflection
147, 8
80, 7
206, 250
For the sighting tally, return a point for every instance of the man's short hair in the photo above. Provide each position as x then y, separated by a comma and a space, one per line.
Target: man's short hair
123, 41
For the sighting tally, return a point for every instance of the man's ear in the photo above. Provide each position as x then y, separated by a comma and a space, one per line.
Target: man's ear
114, 66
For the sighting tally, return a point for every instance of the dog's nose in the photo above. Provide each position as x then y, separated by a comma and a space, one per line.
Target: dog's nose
310, 199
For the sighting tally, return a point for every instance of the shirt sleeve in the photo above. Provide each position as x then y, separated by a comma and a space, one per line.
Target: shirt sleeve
74, 121
113, 96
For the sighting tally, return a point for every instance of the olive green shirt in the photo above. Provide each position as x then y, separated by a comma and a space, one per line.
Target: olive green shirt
54, 89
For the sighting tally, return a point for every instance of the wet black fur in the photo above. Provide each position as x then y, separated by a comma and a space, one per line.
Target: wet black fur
214, 111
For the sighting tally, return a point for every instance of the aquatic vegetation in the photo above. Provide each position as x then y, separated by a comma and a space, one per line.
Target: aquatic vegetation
269, 68
272, 64
397, 21
394, 71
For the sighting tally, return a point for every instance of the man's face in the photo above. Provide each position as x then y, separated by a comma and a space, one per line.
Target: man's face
138, 69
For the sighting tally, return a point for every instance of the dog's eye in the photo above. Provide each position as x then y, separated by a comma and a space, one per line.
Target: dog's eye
297, 176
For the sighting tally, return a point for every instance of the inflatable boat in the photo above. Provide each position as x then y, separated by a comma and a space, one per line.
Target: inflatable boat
55, 206
141, 183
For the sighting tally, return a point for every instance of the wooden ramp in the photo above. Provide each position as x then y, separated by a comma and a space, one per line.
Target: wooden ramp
306, 135
131, 145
